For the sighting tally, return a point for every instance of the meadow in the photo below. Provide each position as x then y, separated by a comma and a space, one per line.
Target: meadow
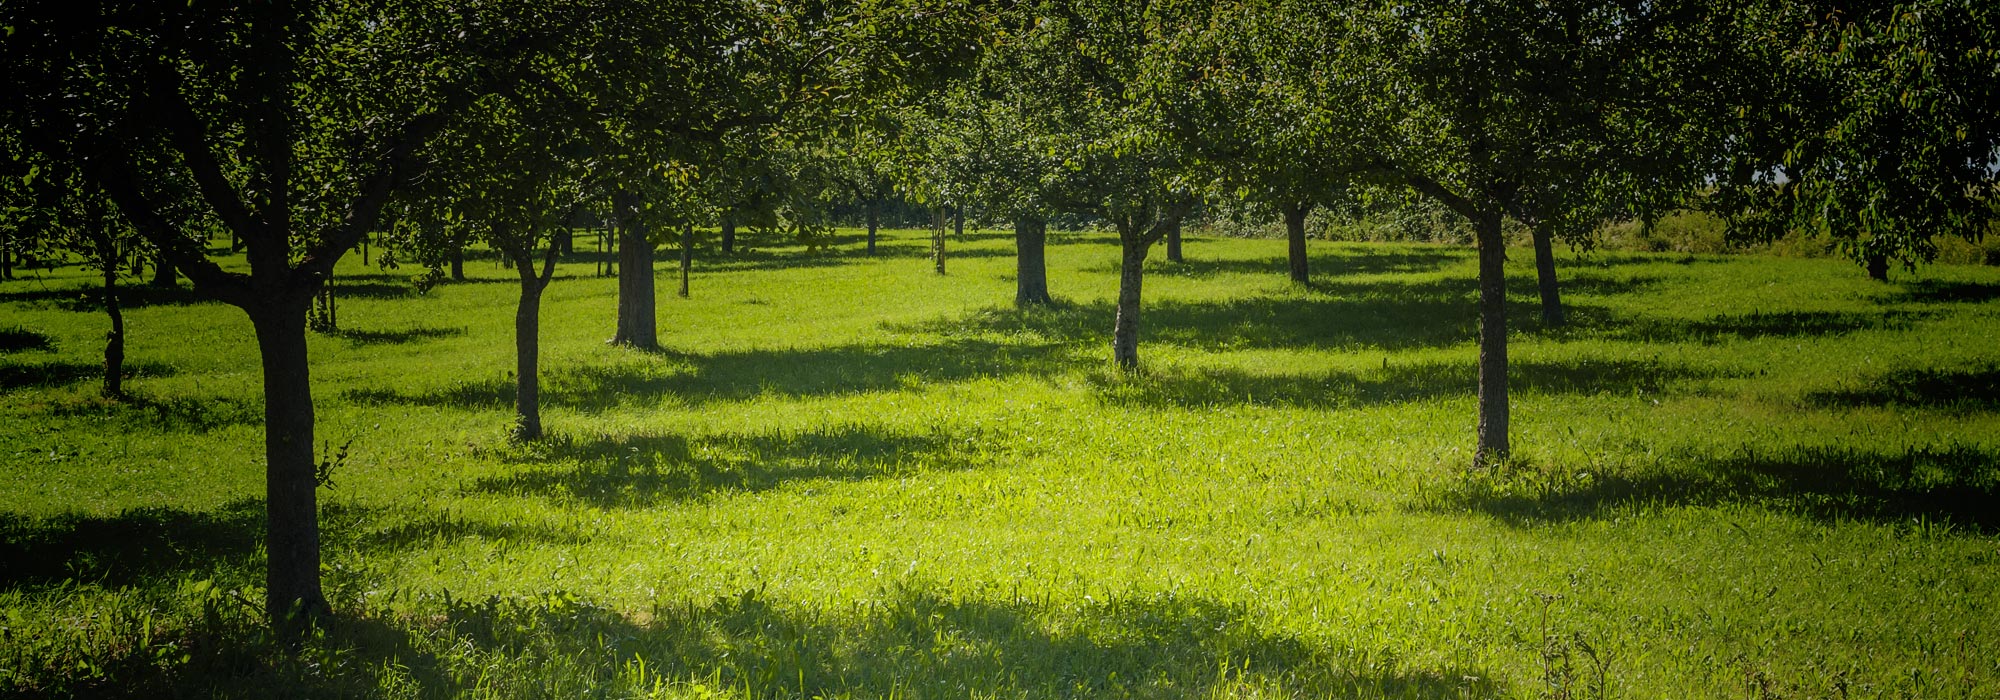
848, 477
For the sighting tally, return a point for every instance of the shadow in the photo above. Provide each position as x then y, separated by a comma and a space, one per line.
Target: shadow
1726, 328
348, 288
88, 299
1969, 390
910, 641
1939, 292
128, 548
22, 340
1395, 383
1325, 264
443, 529
1955, 485
396, 337
138, 411
742, 375
641, 471
60, 373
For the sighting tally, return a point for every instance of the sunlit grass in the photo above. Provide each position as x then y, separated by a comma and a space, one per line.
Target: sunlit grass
848, 477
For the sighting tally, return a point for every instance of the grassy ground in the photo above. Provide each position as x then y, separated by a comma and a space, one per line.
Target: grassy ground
848, 477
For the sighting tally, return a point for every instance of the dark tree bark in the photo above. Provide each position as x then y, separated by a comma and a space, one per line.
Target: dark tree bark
728, 234
1878, 268
1174, 243
1545, 277
1131, 275
874, 221
637, 324
527, 341
1493, 445
1031, 274
687, 256
1295, 239
163, 273
937, 241
292, 593
458, 259
114, 341
565, 241
6, 255
958, 221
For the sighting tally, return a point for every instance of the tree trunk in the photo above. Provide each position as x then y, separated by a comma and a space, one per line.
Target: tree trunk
1295, 238
1545, 277
1878, 268
637, 326
527, 349
457, 259
163, 273
1174, 243
291, 498
114, 341
728, 235
6, 255
1493, 446
1031, 274
958, 222
565, 240
687, 256
1125, 329
937, 241
874, 221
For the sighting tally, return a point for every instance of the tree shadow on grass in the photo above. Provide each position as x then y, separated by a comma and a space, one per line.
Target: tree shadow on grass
403, 336
733, 376
911, 640
17, 339
60, 373
1323, 265
89, 299
641, 471
1956, 485
1395, 383
1966, 390
1594, 321
1945, 292
139, 411
125, 549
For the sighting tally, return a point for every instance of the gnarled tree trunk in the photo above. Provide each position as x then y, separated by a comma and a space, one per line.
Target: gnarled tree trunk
1174, 243
458, 258
1493, 446
1545, 277
1031, 274
1131, 275
527, 342
637, 324
292, 593
1295, 238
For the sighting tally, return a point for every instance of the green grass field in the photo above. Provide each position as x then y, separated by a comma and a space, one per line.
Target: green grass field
1737, 477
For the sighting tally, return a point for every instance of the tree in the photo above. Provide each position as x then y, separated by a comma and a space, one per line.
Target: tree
1485, 104
288, 125
70, 217
1875, 126
1271, 125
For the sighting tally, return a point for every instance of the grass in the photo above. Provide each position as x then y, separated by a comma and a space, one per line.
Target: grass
848, 477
